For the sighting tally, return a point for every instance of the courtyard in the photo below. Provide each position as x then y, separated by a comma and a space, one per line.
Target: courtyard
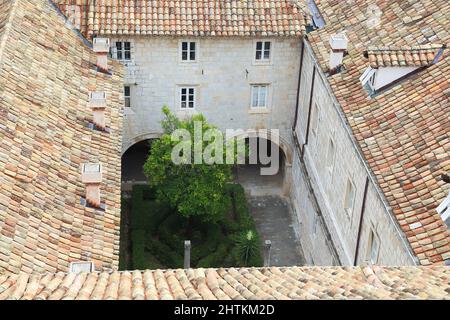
260, 196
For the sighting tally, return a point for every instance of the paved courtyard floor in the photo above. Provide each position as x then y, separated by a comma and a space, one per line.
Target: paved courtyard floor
274, 222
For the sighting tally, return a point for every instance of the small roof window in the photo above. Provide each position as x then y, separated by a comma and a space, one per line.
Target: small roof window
444, 210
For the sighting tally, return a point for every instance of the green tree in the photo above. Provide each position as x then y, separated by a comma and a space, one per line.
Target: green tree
192, 189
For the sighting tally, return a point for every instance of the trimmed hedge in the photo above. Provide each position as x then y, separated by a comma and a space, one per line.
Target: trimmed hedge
157, 234
138, 248
123, 236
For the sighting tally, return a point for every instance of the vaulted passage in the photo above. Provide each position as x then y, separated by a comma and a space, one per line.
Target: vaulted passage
251, 176
133, 161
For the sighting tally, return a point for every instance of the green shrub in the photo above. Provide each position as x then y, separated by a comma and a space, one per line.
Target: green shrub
138, 248
167, 257
169, 232
158, 234
247, 244
215, 259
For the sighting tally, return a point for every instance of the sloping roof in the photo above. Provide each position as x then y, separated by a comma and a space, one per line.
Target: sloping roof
46, 73
5, 9
412, 56
404, 132
191, 17
225, 284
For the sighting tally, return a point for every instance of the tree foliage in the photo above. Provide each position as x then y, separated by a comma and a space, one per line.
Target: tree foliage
194, 190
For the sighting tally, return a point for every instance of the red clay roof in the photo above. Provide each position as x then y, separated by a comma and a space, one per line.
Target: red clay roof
191, 17
404, 132
224, 284
46, 73
411, 56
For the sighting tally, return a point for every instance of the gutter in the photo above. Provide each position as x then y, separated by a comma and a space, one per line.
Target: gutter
359, 152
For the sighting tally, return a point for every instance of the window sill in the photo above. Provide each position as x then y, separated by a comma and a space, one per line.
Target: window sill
258, 111
188, 62
262, 63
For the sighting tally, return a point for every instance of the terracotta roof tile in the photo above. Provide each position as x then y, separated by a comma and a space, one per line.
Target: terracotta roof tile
415, 56
246, 283
191, 17
403, 132
46, 73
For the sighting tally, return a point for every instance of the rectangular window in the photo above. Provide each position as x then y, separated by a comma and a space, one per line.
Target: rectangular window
263, 51
187, 98
123, 50
330, 157
188, 51
349, 196
374, 247
127, 95
260, 95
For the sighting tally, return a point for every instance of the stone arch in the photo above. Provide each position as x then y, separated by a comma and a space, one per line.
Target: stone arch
282, 143
284, 146
138, 138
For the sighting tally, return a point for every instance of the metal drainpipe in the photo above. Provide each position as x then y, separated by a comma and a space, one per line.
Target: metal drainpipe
298, 86
309, 111
363, 209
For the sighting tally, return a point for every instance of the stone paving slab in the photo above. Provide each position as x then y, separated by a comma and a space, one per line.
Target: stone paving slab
273, 219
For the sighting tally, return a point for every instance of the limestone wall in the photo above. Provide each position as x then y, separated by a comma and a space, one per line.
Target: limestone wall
222, 75
330, 184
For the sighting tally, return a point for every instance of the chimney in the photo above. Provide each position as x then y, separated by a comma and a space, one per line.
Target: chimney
101, 48
91, 175
97, 103
338, 43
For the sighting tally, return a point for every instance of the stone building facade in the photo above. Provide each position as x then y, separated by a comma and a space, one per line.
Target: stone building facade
223, 73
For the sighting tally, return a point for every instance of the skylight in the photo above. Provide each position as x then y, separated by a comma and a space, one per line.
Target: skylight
444, 210
389, 65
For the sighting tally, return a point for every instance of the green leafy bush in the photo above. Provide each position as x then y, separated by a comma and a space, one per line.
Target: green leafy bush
164, 254
138, 248
158, 234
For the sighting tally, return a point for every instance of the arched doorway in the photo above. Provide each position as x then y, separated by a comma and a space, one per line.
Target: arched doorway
130, 142
133, 161
251, 176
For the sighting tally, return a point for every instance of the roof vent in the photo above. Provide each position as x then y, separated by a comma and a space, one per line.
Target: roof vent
92, 176
81, 267
101, 47
97, 103
338, 44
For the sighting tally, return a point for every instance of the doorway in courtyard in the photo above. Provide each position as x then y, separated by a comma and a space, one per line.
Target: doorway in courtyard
250, 175
133, 162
